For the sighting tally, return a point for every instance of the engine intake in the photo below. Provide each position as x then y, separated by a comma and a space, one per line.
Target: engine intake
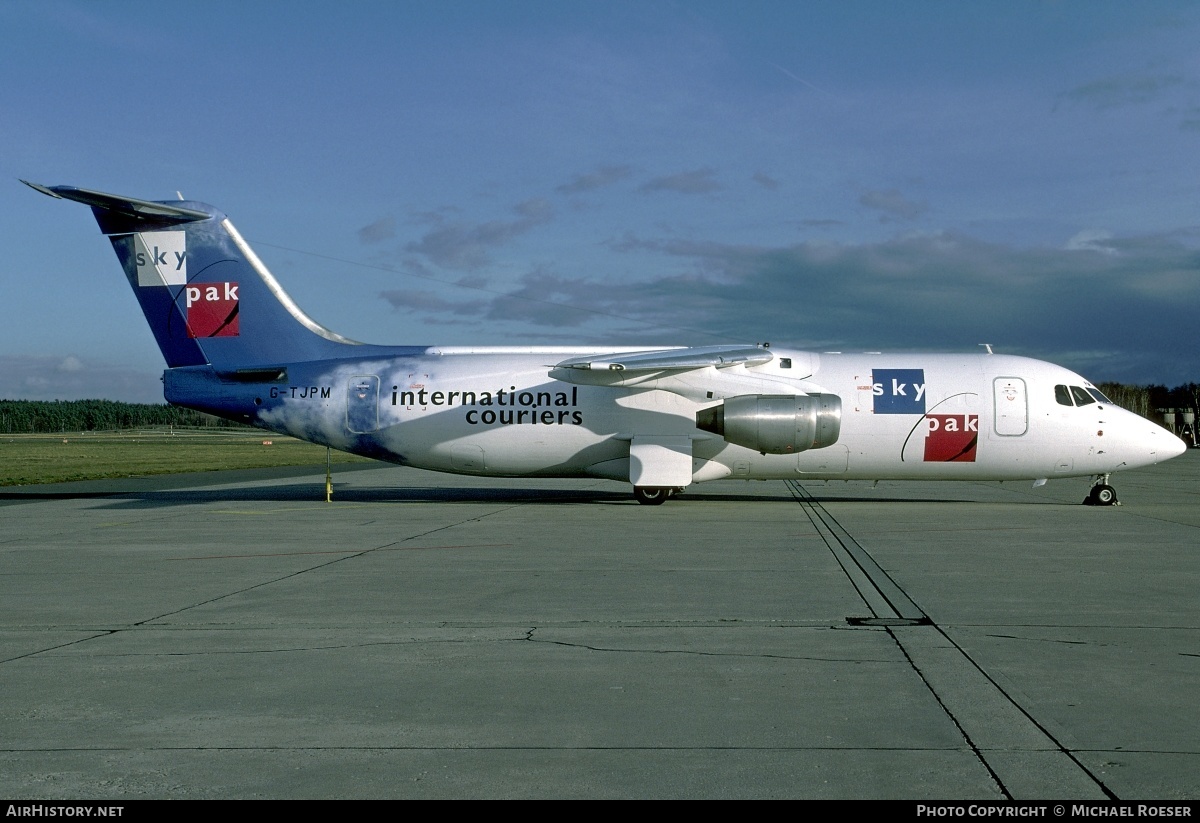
776, 423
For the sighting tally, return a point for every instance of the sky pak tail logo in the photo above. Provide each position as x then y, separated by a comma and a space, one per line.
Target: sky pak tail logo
212, 309
161, 258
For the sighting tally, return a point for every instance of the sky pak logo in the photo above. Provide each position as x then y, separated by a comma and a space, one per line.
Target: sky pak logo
212, 309
898, 391
951, 438
160, 257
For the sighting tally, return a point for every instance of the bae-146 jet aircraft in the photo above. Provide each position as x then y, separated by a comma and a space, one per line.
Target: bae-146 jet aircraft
238, 347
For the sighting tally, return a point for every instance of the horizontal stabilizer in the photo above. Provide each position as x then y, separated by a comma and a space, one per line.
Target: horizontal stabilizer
130, 206
696, 357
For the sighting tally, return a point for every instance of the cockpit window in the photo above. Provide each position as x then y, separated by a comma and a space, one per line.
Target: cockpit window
1063, 395
1099, 395
1082, 398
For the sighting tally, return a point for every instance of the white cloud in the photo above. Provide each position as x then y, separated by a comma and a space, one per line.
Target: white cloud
892, 202
603, 176
1091, 240
699, 181
466, 246
380, 230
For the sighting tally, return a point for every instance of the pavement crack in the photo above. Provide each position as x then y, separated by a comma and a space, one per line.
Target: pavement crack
35, 652
1042, 640
352, 555
695, 653
293, 649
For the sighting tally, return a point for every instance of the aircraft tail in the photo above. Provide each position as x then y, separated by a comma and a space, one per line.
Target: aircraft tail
204, 292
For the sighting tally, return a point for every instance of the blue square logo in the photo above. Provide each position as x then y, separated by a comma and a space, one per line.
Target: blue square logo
898, 391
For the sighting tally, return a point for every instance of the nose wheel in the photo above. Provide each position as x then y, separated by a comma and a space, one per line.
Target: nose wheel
1101, 494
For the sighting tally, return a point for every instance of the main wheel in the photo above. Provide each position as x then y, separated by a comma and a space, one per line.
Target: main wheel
651, 495
1103, 495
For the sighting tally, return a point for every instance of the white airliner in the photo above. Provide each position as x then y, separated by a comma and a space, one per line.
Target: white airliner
237, 346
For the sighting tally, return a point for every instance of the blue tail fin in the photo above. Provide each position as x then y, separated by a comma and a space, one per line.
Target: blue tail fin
206, 295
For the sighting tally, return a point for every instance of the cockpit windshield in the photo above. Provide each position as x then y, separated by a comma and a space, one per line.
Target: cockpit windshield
1078, 396
1082, 398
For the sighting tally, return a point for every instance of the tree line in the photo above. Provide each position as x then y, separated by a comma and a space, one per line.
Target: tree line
54, 416
1149, 401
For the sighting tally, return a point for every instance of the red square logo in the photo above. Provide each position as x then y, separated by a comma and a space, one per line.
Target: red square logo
951, 438
212, 309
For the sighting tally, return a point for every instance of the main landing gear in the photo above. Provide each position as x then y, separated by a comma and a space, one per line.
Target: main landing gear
1101, 494
654, 495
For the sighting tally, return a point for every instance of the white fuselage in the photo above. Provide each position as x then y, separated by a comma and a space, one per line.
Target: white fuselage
903, 416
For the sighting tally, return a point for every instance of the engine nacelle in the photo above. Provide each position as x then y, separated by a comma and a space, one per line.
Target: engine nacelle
776, 423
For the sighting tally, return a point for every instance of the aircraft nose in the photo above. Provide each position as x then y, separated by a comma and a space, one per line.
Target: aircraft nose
1163, 444
1171, 447
1145, 443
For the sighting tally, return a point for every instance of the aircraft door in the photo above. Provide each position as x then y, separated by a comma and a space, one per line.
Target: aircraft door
362, 403
1012, 406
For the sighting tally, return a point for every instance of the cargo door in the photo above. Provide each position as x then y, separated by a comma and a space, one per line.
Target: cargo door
362, 403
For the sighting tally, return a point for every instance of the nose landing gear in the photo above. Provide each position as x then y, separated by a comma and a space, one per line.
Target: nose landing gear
1101, 494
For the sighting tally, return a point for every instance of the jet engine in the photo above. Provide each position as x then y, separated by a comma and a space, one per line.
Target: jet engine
776, 423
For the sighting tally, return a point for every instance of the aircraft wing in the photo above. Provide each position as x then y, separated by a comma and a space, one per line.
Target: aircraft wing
696, 357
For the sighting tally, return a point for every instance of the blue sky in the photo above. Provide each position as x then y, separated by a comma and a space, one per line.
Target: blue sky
836, 176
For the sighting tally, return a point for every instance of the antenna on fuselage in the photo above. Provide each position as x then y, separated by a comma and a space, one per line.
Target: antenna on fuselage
987, 346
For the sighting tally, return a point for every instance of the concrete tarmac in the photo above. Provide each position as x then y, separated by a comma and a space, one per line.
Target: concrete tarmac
231, 635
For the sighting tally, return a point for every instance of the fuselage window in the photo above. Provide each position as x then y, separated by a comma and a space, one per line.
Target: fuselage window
785, 362
1063, 395
1082, 398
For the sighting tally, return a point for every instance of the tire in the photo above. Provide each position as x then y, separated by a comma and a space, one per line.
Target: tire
651, 495
1103, 495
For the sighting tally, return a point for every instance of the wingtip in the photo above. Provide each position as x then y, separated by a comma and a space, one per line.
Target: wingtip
42, 189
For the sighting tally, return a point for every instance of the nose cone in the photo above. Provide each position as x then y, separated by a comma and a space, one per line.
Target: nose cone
1138, 442
1171, 446
1161, 443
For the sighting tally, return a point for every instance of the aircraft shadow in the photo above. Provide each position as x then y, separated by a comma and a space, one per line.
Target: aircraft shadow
310, 492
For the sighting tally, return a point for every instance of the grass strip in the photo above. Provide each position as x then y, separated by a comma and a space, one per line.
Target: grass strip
34, 459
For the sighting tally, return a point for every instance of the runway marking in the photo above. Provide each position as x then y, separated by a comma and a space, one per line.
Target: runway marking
1021, 755
883, 597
